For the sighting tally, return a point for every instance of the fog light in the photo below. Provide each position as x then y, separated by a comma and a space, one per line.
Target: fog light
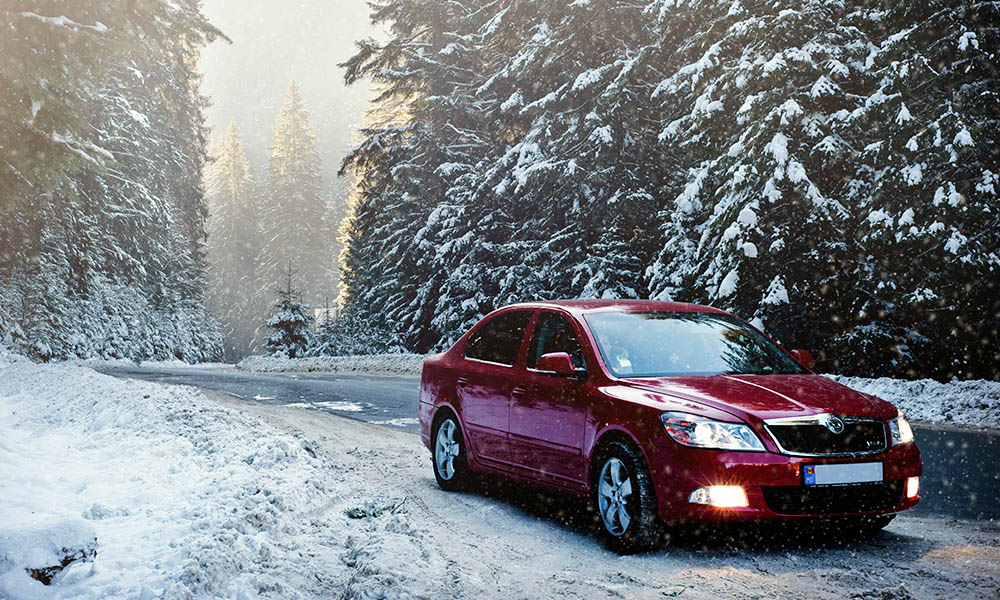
720, 496
912, 487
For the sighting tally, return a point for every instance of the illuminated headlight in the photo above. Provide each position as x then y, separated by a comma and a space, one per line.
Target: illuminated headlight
720, 496
699, 432
899, 430
912, 487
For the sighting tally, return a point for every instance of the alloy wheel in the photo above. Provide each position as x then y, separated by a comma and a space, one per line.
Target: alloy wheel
613, 494
446, 449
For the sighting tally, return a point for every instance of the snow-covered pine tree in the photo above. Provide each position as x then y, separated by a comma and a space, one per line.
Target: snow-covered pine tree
324, 340
741, 154
755, 102
111, 243
421, 137
51, 72
556, 204
294, 219
291, 323
926, 202
235, 247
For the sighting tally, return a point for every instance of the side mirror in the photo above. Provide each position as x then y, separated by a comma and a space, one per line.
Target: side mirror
556, 363
804, 358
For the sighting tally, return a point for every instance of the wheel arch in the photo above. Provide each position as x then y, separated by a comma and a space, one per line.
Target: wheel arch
610, 434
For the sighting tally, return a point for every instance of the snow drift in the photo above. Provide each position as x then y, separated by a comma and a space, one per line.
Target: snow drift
184, 498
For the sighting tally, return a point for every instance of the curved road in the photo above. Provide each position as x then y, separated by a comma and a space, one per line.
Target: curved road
961, 466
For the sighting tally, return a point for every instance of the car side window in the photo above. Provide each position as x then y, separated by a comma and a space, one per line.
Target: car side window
554, 333
500, 339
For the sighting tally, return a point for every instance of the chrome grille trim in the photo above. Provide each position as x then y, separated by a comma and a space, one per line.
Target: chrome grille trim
820, 420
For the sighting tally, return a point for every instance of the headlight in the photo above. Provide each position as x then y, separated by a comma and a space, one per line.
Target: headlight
900, 431
700, 432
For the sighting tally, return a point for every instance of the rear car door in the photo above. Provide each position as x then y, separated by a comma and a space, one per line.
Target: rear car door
548, 414
486, 380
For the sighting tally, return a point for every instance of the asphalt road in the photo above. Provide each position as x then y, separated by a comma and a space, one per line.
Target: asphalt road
961, 466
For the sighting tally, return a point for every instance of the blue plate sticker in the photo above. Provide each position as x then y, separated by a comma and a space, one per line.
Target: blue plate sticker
809, 475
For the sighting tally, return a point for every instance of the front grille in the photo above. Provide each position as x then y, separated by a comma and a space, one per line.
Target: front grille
810, 436
832, 500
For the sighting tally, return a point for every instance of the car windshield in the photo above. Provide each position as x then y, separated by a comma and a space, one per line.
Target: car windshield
676, 344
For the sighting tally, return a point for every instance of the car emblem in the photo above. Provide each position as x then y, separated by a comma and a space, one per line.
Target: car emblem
834, 423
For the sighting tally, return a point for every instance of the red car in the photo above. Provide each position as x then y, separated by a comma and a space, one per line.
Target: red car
662, 412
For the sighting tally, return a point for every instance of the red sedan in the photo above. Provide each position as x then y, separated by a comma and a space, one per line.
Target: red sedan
662, 412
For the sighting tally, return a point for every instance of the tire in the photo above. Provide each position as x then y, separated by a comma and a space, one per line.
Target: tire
865, 527
848, 529
448, 454
622, 494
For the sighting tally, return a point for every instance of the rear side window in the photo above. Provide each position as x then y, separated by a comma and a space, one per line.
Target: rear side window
554, 333
500, 339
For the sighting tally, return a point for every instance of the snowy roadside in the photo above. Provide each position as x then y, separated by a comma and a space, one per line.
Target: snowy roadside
400, 365
974, 403
96, 363
208, 496
966, 403
184, 497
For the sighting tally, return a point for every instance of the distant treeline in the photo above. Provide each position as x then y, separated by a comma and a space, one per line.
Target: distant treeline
261, 232
102, 146
828, 169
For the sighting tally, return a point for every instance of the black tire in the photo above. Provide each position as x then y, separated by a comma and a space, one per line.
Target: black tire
865, 527
643, 530
456, 477
848, 529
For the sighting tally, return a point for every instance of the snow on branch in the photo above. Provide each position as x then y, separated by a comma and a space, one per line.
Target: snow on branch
64, 21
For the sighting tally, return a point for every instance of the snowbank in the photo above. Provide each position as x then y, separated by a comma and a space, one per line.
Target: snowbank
973, 403
403, 365
185, 498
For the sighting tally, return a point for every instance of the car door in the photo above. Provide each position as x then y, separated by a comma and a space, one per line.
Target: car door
486, 380
548, 414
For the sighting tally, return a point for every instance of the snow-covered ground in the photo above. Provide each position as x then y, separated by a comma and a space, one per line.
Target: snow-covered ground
403, 365
971, 403
196, 496
184, 496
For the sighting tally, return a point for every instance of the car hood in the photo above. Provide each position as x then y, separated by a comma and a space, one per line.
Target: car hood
768, 396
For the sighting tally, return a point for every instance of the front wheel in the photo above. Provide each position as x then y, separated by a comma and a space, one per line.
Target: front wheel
862, 528
450, 467
625, 500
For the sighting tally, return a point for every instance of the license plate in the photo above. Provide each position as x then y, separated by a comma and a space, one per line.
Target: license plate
842, 473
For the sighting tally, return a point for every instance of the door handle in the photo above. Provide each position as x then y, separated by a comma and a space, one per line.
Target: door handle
462, 381
518, 391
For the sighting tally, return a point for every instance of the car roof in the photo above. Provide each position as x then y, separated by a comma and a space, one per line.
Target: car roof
609, 305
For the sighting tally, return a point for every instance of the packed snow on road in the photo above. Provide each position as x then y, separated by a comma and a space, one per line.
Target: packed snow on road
161, 491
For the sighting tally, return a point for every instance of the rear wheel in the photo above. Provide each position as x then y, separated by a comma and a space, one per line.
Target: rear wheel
625, 501
450, 467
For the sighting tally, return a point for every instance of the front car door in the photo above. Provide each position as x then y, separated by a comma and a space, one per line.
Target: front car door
548, 414
484, 383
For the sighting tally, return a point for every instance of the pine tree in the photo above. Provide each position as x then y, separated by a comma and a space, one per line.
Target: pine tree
101, 208
927, 202
422, 137
296, 219
824, 168
325, 340
235, 246
292, 336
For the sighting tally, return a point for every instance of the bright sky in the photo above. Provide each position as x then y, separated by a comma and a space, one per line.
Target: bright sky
275, 41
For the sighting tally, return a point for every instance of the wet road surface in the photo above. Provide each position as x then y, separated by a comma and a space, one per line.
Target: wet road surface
961, 466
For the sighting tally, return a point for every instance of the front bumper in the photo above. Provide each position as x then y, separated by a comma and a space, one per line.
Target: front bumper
774, 484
